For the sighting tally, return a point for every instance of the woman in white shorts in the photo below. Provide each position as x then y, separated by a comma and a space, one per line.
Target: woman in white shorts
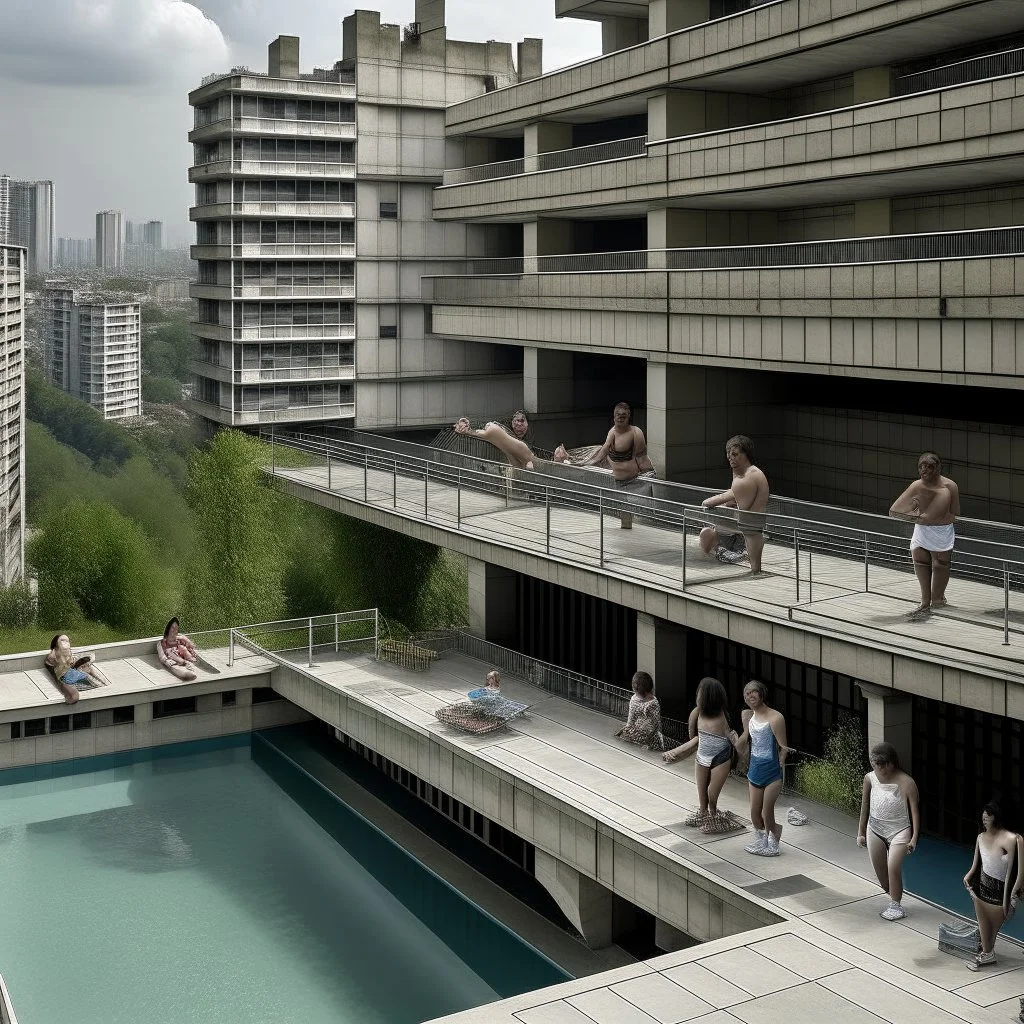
931, 503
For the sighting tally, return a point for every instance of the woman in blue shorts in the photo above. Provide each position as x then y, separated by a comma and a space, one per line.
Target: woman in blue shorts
764, 730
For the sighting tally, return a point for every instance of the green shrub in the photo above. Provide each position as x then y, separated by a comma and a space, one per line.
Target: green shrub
837, 778
17, 606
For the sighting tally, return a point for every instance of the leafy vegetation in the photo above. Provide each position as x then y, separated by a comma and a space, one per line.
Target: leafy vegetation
837, 778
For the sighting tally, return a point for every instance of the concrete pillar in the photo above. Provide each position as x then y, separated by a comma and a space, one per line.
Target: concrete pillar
544, 137
676, 426
664, 16
620, 33
675, 113
283, 57
890, 720
586, 903
547, 380
545, 237
873, 84
529, 59
661, 651
429, 14
872, 217
491, 596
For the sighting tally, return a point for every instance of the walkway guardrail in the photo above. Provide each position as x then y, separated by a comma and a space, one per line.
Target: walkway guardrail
316, 633
7, 1014
832, 552
949, 245
973, 69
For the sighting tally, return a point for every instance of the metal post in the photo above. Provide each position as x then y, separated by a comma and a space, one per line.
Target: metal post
273, 461
394, 485
684, 550
600, 517
547, 513
426, 488
366, 472
311, 642
231, 648
796, 548
810, 575
867, 588
376, 631
1006, 605
335, 632
328, 471
458, 497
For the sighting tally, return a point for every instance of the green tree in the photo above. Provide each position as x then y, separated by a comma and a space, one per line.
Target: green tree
243, 533
93, 563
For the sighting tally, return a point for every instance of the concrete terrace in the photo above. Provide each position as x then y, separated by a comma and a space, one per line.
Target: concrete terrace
830, 620
806, 940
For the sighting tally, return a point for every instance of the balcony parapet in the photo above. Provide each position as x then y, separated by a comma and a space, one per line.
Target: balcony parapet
274, 375
327, 85
276, 332
345, 290
270, 169
223, 211
253, 251
258, 417
280, 127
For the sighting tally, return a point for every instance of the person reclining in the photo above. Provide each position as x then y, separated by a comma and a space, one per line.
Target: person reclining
176, 652
72, 672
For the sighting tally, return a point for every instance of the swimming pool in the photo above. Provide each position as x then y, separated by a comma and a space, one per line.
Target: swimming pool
195, 888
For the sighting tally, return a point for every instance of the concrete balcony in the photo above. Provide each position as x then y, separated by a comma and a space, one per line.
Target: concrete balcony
225, 211
256, 418
220, 169
766, 48
247, 251
268, 126
964, 136
262, 85
345, 290
276, 332
272, 375
926, 307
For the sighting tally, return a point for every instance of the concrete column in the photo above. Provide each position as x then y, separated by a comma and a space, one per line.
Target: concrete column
873, 84
890, 720
545, 237
664, 16
491, 596
529, 59
661, 651
675, 113
586, 903
544, 137
676, 425
547, 380
620, 33
872, 217
429, 14
283, 57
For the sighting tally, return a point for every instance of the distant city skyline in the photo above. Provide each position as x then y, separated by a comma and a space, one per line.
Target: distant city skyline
94, 95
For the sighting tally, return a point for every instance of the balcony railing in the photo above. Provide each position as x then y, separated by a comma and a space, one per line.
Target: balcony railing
289, 168
254, 250
952, 245
295, 128
974, 69
276, 332
618, 149
272, 375
343, 290
339, 211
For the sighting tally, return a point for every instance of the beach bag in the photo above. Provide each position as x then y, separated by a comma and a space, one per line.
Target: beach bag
958, 938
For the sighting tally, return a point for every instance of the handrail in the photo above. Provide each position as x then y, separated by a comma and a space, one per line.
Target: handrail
991, 553
308, 629
7, 1014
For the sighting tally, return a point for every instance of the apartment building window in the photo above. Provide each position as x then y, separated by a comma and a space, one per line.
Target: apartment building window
389, 211
273, 191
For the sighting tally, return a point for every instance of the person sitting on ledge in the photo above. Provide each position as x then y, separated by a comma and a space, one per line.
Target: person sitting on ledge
749, 494
643, 724
72, 672
510, 443
176, 652
624, 455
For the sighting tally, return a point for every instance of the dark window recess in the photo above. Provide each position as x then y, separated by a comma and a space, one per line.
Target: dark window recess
388, 331
60, 723
35, 727
15, 730
228, 699
389, 211
124, 715
82, 720
264, 694
175, 706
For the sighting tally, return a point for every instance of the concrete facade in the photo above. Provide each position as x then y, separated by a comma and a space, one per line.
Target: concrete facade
31, 222
13, 261
109, 241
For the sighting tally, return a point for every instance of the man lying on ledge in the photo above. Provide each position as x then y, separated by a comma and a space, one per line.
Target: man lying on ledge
749, 494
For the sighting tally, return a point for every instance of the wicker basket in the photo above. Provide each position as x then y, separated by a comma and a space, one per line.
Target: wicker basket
469, 718
406, 655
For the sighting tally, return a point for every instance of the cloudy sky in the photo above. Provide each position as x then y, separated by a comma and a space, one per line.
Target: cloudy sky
94, 93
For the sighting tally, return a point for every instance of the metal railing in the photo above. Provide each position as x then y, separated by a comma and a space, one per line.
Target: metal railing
949, 245
973, 69
552, 160
7, 1014
831, 552
315, 633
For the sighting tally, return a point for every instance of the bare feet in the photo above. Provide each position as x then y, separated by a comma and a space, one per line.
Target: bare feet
920, 611
939, 602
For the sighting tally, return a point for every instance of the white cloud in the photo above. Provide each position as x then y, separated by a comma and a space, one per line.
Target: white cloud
107, 42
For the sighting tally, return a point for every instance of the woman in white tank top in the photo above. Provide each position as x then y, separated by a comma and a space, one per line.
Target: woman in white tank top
890, 820
994, 881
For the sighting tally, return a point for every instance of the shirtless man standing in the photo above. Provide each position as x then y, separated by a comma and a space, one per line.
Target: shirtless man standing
932, 504
749, 493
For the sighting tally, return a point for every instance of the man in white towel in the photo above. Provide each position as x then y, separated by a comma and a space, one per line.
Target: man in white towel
931, 503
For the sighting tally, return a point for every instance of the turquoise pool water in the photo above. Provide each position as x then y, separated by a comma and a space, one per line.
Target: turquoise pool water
195, 888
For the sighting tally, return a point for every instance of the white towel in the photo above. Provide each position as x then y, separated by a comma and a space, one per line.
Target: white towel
933, 538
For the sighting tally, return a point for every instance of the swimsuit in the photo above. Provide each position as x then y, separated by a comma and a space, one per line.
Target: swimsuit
713, 749
991, 885
889, 819
764, 767
933, 538
627, 455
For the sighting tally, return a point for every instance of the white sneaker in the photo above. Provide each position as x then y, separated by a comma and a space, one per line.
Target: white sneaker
772, 846
760, 844
729, 557
893, 912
